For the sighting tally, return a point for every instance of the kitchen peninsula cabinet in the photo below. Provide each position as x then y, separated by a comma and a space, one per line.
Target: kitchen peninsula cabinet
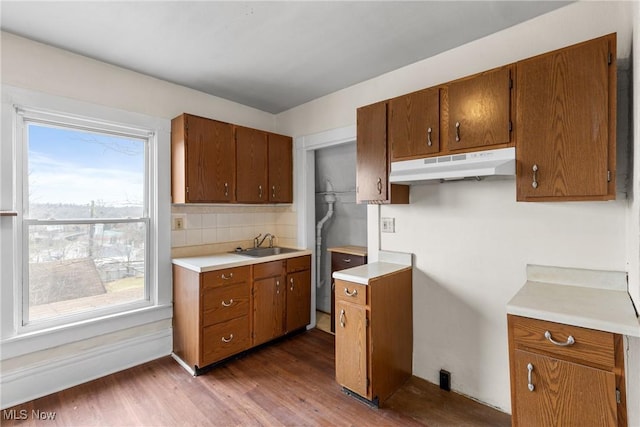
374, 333
479, 110
566, 123
565, 375
414, 124
203, 160
372, 159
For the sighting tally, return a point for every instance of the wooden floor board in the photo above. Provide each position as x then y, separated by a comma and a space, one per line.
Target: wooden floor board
287, 383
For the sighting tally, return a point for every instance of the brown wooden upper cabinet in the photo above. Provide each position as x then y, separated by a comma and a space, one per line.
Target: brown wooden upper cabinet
372, 161
566, 123
280, 168
252, 174
203, 160
479, 110
414, 124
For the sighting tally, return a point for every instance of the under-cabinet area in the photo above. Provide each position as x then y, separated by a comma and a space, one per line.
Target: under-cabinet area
226, 304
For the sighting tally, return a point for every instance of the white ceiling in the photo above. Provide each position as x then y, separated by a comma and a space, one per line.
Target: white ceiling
269, 55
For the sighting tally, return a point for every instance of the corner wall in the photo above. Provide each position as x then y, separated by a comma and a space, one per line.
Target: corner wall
472, 241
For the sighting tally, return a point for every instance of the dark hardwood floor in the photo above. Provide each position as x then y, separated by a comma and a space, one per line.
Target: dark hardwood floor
290, 382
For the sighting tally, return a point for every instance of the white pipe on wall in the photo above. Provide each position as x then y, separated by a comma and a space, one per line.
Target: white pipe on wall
330, 198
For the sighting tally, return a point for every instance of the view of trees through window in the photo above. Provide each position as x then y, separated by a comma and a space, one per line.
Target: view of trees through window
86, 221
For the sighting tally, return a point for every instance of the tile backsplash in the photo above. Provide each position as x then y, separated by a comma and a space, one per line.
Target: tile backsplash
218, 228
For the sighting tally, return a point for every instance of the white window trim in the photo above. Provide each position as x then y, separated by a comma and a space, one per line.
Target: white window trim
14, 339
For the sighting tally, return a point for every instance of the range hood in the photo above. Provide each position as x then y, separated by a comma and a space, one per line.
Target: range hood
501, 161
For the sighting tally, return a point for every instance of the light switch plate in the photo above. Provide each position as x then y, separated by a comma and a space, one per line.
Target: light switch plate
388, 225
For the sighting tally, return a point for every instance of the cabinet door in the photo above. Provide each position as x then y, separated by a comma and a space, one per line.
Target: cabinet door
280, 169
268, 309
298, 300
251, 151
371, 152
566, 111
210, 160
479, 110
414, 124
564, 393
352, 347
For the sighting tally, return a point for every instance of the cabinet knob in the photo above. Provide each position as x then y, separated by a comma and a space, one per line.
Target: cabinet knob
529, 379
429, 142
457, 131
534, 184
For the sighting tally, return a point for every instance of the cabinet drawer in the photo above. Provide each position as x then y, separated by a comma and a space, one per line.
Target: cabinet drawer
340, 261
224, 303
590, 346
299, 263
354, 293
268, 269
225, 339
225, 277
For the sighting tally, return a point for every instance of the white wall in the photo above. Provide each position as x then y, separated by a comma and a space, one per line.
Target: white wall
472, 240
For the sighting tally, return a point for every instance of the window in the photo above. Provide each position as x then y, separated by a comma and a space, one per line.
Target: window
86, 218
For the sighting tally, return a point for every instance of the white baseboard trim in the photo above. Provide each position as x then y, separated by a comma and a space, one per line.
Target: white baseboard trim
32, 382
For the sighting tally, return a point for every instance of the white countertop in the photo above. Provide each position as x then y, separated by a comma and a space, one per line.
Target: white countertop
557, 295
202, 264
389, 263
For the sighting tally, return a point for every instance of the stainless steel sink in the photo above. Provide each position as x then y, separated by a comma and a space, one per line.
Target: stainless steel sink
262, 252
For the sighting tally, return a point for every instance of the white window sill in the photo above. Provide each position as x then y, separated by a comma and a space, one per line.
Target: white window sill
30, 342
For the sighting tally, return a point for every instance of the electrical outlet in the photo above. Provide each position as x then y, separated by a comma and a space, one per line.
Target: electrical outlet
445, 380
178, 223
388, 225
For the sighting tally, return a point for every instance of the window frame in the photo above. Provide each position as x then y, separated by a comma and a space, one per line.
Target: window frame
16, 341
24, 117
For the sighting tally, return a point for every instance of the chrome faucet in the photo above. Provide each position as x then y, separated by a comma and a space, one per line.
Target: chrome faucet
257, 242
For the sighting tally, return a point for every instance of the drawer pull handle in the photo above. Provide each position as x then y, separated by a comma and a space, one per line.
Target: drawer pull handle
534, 183
227, 304
429, 142
529, 375
350, 294
292, 286
229, 277
227, 340
277, 286
457, 131
342, 318
570, 340
347, 260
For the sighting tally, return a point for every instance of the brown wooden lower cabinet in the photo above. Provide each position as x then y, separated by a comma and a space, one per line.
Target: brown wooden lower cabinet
343, 257
374, 335
221, 313
576, 381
